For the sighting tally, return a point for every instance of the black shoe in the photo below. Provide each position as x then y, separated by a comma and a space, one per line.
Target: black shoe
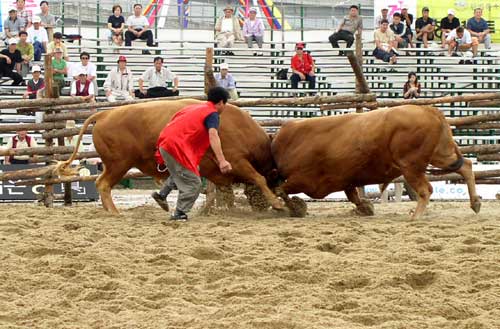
161, 201
146, 52
341, 53
179, 216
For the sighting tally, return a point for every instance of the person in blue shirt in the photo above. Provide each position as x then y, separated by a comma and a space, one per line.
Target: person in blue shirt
478, 28
226, 81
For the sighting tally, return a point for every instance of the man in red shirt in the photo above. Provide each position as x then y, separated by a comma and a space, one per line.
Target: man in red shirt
183, 143
303, 67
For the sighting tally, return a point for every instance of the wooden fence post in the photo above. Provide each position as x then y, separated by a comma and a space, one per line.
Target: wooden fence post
48, 192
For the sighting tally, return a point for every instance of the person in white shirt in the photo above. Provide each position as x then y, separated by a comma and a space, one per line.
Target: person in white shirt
227, 30
37, 36
253, 30
20, 141
460, 39
87, 66
138, 28
83, 87
157, 78
119, 84
384, 15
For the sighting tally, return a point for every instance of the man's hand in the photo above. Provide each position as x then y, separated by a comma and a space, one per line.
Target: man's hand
8, 60
302, 76
143, 91
225, 166
108, 93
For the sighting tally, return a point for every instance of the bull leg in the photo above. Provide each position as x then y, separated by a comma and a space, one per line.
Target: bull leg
105, 183
297, 206
466, 172
421, 185
210, 198
225, 196
363, 206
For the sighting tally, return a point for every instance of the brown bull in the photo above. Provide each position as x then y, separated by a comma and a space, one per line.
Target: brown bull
126, 137
324, 155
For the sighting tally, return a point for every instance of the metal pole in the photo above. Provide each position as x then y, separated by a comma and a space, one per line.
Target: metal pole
62, 16
282, 25
301, 22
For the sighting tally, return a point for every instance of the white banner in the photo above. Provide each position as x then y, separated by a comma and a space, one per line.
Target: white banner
394, 6
6, 5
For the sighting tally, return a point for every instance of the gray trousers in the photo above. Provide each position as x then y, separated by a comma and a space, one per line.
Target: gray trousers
188, 184
252, 38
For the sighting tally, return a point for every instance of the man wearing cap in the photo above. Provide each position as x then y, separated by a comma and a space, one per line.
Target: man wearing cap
407, 18
448, 24
119, 84
138, 28
37, 36
48, 20
225, 80
22, 13
303, 67
57, 43
11, 58
424, 26
227, 30
82, 87
157, 78
20, 141
12, 25
59, 70
35, 85
479, 28
27, 52
253, 30
384, 14
350, 24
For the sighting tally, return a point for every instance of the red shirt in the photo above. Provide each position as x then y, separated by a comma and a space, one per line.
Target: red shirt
303, 65
185, 137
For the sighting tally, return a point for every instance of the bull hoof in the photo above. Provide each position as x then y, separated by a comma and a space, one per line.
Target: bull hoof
256, 198
476, 206
297, 207
278, 204
365, 208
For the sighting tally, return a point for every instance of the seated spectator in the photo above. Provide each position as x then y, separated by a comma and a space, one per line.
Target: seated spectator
253, 30
384, 15
448, 24
399, 29
226, 81
116, 25
425, 27
412, 87
385, 44
35, 85
48, 20
227, 30
119, 84
157, 78
57, 43
83, 87
22, 13
479, 29
37, 36
12, 25
89, 67
27, 52
20, 141
138, 28
407, 18
350, 24
461, 40
10, 59
59, 70
303, 67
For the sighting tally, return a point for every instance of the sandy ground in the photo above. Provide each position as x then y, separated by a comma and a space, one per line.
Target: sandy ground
81, 268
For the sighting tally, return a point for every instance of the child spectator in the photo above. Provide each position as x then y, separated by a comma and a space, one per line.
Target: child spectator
412, 87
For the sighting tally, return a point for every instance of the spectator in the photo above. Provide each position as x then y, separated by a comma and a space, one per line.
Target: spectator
448, 24
303, 67
59, 70
138, 28
37, 36
48, 20
350, 24
57, 43
412, 87
10, 59
83, 87
399, 29
25, 15
227, 30
116, 25
478, 28
226, 81
385, 44
425, 27
461, 40
20, 141
253, 30
36, 85
407, 18
380, 18
27, 52
157, 78
12, 25
89, 67
119, 84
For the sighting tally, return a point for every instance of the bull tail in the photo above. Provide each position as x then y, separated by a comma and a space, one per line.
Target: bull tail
62, 168
454, 166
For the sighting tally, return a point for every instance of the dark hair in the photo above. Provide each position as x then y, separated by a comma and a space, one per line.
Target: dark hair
137, 4
157, 58
57, 35
217, 94
117, 6
84, 54
414, 74
384, 21
44, 2
397, 15
23, 32
460, 29
354, 6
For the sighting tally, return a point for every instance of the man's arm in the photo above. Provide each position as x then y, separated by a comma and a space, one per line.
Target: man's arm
224, 166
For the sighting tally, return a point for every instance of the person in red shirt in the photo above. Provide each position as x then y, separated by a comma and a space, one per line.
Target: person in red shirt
303, 67
181, 146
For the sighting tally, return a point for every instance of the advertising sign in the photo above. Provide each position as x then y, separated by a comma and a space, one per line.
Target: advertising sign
395, 6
